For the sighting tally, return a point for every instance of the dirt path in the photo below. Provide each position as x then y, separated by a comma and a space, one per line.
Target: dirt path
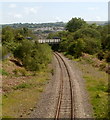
46, 108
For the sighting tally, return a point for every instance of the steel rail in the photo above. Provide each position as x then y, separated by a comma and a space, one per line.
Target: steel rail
58, 56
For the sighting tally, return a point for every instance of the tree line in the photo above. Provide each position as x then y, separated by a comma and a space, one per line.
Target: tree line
22, 43
78, 38
81, 37
35, 25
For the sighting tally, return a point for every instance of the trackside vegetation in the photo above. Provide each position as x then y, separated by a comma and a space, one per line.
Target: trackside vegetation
89, 44
86, 44
24, 46
81, 37
25, 73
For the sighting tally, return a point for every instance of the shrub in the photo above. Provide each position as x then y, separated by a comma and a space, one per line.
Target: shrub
76, 48
92, 45
21, 86
34, 56
3, 51
87, 33
20, 71
23, 72
69, 57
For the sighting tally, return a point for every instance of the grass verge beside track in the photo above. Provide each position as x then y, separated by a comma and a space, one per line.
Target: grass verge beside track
97, 86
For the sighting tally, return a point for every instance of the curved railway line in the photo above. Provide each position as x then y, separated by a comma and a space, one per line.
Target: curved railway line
65, 107
64, 97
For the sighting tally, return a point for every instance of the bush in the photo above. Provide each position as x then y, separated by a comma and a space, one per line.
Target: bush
91, 40
3, 51
20, 71
107, 42
87, 33
69, 57
76, 48
21, 86
34, 56
92, 45
84, 40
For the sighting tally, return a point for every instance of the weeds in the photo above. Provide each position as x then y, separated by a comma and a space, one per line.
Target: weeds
98, 91
23, 85
20, 71
89, 59
25, 96
3, 72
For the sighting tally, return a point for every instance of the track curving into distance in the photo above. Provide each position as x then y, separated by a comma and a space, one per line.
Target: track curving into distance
65, 107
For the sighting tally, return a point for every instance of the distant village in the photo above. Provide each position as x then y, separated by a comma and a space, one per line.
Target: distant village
54, 29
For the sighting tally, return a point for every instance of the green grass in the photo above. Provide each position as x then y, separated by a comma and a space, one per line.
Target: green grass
7, 117
22, 86
3, 72
24, 96
97, 86
98, 94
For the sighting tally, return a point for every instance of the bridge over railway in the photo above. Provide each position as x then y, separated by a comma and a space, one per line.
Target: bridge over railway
49, 41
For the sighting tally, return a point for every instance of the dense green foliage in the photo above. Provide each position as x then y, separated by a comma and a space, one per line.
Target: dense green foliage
74, 24
34, 56
81, 37
107, 42
21, 42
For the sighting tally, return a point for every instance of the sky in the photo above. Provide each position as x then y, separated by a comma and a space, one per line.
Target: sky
14, 11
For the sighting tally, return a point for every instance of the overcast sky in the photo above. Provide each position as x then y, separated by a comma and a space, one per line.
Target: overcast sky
38, 12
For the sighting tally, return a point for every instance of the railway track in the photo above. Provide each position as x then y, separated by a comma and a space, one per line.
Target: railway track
65, 107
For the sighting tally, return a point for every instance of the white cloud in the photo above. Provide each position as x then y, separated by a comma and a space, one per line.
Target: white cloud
93, 8
12, 5
31, 10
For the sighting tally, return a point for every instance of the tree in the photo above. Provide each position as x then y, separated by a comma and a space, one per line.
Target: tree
104, 31
107, 42
92, 45
7, 35
76, 48
33, 56
87, 32
74, 24
94, 26
63, 45
91, 38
